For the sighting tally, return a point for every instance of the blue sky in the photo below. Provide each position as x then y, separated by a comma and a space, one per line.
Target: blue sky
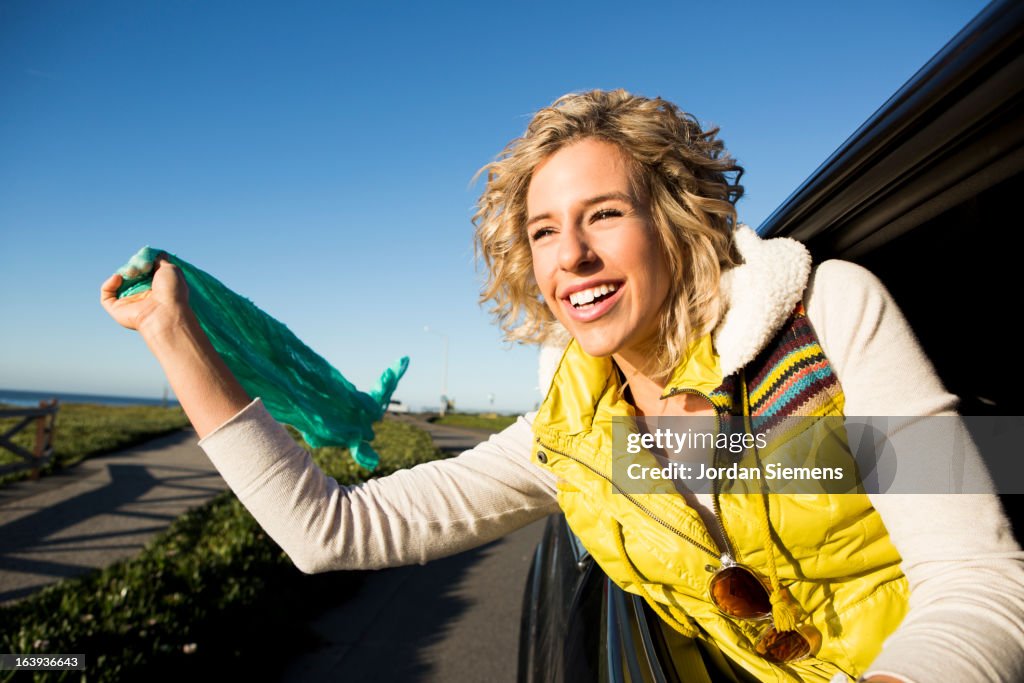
317, 157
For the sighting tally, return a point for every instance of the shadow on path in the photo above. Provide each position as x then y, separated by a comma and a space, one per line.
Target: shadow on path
100, 511
455, 618
127, 484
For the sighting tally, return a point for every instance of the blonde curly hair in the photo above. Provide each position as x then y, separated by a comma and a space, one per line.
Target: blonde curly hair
692, 184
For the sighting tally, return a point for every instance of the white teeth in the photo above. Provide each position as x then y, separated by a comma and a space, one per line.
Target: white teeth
584, 297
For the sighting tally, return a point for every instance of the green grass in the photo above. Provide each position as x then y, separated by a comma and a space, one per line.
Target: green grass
212, 593
84, 430
488, 421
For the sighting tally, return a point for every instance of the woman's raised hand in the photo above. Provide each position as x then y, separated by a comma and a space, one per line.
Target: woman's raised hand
164, 304
205, 387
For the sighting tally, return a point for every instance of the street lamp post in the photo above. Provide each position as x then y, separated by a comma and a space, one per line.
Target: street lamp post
444, 368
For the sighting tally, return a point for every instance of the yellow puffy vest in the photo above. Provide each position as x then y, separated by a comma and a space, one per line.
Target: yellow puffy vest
832, 552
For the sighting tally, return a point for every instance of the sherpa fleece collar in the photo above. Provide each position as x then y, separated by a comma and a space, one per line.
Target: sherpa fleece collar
758, 295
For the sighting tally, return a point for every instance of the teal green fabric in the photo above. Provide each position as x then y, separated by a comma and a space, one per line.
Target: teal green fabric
297, 386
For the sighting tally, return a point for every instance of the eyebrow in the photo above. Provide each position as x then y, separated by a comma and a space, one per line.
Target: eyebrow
620, 196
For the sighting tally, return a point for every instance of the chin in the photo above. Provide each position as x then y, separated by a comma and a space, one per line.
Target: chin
598, 348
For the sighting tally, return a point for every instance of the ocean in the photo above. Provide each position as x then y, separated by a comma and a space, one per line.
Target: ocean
32, 398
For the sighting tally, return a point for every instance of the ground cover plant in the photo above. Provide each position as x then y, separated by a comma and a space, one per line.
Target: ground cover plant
484, 421
83, 430
213, 593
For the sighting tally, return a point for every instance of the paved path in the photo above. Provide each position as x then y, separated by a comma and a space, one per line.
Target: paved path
454, 619
98, 512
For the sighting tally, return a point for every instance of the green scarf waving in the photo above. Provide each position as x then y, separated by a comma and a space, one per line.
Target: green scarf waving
297, 386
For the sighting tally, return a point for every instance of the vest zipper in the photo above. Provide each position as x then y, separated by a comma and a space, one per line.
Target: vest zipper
634, 501
715, 505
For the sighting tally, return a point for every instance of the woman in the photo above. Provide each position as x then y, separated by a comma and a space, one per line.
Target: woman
610, 237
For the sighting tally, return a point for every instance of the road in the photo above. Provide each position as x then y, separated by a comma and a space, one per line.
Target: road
454, 619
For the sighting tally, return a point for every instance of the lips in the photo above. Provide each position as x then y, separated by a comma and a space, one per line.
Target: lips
590, 301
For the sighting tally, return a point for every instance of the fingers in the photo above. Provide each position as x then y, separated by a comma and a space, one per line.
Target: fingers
170, 281
108, 290
168, 290
165, 272
163, 264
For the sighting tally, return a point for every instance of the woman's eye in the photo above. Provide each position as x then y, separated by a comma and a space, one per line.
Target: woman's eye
542, 232
605, 213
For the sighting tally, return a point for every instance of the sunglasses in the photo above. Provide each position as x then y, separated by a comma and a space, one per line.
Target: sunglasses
739, 593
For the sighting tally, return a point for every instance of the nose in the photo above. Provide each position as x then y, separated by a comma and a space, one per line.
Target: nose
574, 251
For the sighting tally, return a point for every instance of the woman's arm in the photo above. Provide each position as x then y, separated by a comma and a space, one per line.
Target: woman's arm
429, 511
966, 576
965, 570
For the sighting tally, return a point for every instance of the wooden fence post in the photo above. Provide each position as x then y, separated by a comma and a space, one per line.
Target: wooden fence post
31, 458
44, 434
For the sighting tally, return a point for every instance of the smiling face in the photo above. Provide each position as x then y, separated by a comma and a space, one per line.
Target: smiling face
596, 256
